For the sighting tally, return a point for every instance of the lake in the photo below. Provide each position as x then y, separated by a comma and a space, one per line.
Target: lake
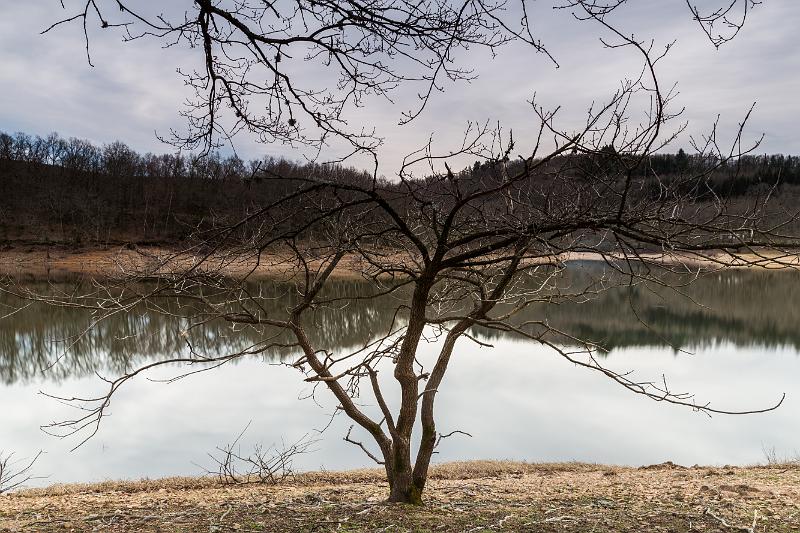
733, 341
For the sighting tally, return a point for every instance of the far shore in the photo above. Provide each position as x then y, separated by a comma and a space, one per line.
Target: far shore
55, 263
460, 497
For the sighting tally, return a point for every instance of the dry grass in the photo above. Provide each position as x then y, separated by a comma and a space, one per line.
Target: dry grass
473, 496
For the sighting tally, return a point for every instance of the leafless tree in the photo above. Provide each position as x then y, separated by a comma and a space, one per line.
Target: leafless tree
459, 253
14, 473
254, 54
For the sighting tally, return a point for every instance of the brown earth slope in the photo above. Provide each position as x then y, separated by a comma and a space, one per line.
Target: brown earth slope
58, 263
464, 497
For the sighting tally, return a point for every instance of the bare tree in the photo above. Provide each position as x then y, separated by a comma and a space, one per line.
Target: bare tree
254, 54
459, 253
15, 473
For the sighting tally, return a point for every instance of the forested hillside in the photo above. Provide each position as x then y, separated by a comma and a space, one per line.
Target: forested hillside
73, 192
70, 192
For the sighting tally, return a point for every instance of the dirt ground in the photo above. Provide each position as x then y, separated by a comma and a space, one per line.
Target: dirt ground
461, 497
58, 263
36, 263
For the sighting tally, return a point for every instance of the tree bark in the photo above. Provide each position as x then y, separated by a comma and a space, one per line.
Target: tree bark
403, 488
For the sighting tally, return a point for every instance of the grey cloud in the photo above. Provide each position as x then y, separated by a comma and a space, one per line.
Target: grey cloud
134, 90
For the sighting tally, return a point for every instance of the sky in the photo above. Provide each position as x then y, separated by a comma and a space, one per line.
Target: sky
133, 91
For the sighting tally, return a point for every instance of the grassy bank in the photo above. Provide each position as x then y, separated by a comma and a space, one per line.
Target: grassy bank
474, 496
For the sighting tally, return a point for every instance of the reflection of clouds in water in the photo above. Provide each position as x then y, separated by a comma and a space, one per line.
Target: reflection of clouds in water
520, 401
537, 407
157, 429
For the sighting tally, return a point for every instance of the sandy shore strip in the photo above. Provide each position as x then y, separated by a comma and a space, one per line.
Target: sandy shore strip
38, 263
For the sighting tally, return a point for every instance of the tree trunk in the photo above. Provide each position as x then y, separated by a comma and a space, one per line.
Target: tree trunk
403, 489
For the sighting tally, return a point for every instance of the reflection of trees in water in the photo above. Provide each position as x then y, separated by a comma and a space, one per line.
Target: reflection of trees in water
39, 334
742, 307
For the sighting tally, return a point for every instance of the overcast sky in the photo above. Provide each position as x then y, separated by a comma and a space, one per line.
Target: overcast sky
133, 91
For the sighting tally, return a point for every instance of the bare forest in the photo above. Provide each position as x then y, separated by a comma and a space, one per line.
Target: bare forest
69, 193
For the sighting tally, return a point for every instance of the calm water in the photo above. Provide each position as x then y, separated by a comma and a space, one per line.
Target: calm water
519, 400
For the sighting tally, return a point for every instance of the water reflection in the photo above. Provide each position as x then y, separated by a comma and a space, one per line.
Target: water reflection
744, 308
45, 342
519, 400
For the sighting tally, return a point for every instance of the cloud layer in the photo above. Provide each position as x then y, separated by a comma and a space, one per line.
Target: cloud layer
133, 91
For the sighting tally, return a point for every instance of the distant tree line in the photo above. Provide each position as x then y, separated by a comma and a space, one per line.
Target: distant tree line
727, 179
73, 192
70, 191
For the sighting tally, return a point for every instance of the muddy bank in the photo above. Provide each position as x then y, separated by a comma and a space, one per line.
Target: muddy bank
37, 262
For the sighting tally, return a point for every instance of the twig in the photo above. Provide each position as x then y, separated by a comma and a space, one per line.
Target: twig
725, 524
361, 445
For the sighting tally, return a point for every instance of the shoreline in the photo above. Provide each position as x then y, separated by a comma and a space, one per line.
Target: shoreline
58, 263
42, 263
465, 496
